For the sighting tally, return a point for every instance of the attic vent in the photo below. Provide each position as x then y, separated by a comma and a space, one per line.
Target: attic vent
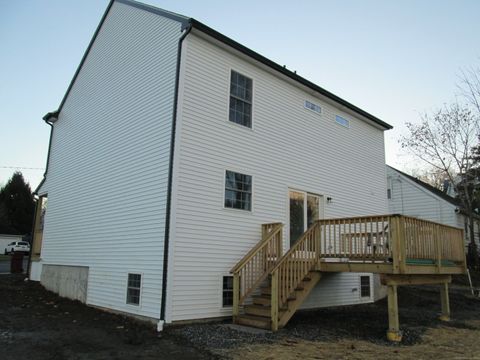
311, 106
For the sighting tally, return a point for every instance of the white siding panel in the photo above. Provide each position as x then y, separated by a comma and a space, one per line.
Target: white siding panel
338, 289
108, 171
289, 146
409, 198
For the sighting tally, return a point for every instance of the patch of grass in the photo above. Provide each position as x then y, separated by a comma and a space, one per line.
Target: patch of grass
4, 257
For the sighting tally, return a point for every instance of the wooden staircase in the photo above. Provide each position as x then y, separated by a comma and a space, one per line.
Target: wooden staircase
281, 283
258, 314
269, 286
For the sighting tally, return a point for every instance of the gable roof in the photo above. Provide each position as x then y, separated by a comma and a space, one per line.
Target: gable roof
192, 23
428, 187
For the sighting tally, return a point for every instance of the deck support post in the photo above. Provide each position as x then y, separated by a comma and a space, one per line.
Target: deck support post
445, 316
236, 296
393, 333
274, 301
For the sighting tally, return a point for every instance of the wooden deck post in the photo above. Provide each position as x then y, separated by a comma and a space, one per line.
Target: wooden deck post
445, 316
274, 301
236, 296
402, 244
393, 333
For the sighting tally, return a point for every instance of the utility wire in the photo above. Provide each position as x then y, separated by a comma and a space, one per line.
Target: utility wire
21, 167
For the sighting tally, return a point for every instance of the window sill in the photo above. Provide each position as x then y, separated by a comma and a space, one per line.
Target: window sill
239, 126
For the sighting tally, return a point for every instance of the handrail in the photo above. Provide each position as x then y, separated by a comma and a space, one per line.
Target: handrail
292, 268
257, 247
254, 267
393, 239
293, 248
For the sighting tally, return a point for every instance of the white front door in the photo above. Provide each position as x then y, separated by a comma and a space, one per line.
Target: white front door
304, 209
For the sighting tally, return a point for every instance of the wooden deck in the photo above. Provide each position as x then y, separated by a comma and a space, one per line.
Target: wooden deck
404, 250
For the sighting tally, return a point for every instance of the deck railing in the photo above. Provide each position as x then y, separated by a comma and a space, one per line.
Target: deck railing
393, 239
254, 267
365, 238
291, 270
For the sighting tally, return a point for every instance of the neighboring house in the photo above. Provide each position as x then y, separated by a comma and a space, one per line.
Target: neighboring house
170, 149
410, 196
7, 239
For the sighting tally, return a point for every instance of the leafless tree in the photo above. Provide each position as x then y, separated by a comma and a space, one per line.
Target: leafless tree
445, 140
431, 176
469, 86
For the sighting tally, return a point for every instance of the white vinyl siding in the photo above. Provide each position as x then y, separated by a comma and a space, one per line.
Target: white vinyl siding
287, 148
108, 170
338, 289
412, 199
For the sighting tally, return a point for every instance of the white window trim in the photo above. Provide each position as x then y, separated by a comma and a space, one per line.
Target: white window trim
139, 305
360, 286
319, 113
229, 79
243, 172
344, 118
226, 307
321, 210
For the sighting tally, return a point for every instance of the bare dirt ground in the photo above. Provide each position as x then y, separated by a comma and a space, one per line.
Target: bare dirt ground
36, 324
359, 332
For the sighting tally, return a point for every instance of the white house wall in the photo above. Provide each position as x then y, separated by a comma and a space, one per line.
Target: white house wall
409, 198
108, 170
288, 147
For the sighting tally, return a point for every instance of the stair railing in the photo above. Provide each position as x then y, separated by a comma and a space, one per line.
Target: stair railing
292, 268
254, 267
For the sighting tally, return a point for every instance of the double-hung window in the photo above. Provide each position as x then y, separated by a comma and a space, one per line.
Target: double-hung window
227, 291
240, 99
238, 191
133, 289
365, 286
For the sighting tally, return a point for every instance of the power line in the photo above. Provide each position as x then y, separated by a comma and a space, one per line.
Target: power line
21, 167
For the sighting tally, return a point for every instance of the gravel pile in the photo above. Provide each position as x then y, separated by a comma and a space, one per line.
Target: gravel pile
221, 336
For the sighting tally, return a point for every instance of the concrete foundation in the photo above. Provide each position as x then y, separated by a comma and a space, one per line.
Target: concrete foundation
67, 281
379, 290
35, 270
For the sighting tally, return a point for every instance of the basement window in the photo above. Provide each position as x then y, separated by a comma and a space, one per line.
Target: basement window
133, 289
240, 99
227, 291
365, 286
342, 121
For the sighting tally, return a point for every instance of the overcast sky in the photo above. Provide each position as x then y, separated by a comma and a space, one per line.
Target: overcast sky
394, 59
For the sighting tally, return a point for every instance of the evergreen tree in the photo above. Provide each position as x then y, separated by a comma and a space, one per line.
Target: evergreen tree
16, 206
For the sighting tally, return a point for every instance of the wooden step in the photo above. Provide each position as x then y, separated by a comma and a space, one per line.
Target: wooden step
261, 310
260, 322
261, 300
266, 290
258, 310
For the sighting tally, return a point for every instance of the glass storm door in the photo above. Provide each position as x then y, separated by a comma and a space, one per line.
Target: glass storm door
304, 209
